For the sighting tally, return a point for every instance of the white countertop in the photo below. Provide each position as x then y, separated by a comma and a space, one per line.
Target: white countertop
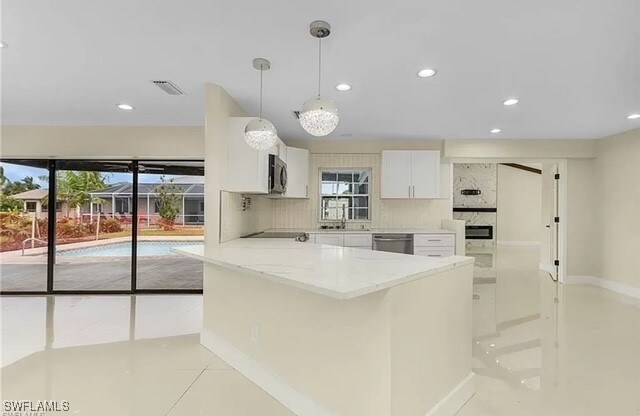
367, 231
338, 272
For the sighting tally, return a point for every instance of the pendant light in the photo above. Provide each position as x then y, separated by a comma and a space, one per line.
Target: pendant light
319, 115
260, 133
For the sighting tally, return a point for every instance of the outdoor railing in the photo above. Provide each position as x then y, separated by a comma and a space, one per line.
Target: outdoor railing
31, 239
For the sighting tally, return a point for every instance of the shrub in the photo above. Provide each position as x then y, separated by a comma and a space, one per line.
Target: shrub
166, 224
110, 225
71, 228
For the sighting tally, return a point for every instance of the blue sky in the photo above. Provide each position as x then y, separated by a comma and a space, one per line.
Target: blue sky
18, 172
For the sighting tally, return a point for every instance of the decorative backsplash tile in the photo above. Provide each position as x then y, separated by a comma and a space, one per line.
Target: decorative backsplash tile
236, 222
475, 176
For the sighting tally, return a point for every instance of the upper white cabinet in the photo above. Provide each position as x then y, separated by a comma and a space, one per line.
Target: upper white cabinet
247, 168
396, 174
297, 173
410, 174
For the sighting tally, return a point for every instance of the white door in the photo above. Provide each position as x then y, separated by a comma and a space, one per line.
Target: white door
554, 225
297, 173
425, 174
396, 174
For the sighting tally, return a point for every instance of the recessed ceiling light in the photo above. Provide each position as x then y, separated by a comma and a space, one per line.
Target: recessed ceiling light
343, 87
633, 116
124, 106
494, 131
3, 45
426, 73
510, 101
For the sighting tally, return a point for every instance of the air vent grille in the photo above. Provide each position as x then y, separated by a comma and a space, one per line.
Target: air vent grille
296, 114
168, 86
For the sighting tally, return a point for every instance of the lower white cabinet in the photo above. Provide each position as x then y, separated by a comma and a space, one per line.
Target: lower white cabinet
330, 239
434, 240
434, 245
358, 240
434, 251
428, 245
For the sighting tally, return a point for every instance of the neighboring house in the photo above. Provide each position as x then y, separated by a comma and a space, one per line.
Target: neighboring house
34, 202
117, 201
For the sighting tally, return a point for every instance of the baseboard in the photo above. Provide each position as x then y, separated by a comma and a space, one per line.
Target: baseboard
277, 388
456, 398
621, 288
518, 243
547, 267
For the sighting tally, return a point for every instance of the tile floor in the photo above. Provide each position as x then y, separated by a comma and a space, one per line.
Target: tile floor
125, 355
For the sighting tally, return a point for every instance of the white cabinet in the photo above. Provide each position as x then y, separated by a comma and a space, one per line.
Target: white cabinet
330, 239
425, 174
297, 173
358, 240
410, 174
396, 174
247, 168
434, 245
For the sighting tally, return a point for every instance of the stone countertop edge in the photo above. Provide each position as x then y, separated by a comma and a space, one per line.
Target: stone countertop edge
454, 262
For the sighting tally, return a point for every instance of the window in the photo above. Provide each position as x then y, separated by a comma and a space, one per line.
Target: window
31, 206
346, 190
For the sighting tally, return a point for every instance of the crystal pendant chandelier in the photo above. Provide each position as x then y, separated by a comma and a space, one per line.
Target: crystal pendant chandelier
260, 133
319, 115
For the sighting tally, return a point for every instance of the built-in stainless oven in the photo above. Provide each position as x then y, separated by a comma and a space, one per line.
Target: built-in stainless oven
277, 175
479, 232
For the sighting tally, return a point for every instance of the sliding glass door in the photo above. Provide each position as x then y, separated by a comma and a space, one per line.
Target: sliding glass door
112, 226
94, 226
171, 214
24, 231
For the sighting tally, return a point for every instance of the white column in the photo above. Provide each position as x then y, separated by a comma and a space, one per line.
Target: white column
90, 212
148, 213
113, 206
183, 213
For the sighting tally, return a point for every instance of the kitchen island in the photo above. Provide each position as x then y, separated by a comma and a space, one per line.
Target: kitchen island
341, 331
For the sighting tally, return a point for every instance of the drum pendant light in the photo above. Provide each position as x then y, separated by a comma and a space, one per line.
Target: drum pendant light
260, 133
319, 115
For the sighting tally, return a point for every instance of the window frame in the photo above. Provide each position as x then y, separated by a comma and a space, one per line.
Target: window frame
368, 195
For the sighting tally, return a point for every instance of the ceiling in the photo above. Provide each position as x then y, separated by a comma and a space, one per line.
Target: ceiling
574, 65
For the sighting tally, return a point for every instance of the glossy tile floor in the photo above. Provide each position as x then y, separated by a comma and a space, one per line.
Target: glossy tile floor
124, 355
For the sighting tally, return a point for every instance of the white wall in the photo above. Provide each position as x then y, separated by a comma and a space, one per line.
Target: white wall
519, 206
385, 213
616, 191
219, 106
118, 142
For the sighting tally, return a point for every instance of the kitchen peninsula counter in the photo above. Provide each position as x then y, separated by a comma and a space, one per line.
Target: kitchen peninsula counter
341, 331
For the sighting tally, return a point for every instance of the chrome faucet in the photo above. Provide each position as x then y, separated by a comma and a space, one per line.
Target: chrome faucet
343, 220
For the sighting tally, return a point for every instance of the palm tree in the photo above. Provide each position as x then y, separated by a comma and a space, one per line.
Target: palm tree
74, 188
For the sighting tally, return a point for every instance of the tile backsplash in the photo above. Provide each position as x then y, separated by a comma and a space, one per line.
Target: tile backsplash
385, 213
236, 222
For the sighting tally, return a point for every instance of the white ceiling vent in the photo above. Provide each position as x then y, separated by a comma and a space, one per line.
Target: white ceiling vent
296, 114
168, 86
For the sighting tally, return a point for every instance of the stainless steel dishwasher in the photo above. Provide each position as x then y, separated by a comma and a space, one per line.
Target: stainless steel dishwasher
394, 243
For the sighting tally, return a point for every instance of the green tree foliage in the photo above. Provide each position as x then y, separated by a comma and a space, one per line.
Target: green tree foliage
168, 199
12, 188
74, 188
8, 204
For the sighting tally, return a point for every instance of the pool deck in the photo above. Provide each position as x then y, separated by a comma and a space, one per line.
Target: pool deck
153, 273
28, 273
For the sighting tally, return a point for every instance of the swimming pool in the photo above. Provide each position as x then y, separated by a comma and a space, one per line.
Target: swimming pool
145, 249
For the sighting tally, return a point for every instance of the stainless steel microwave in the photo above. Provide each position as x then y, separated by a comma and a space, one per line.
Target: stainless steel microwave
277, 175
